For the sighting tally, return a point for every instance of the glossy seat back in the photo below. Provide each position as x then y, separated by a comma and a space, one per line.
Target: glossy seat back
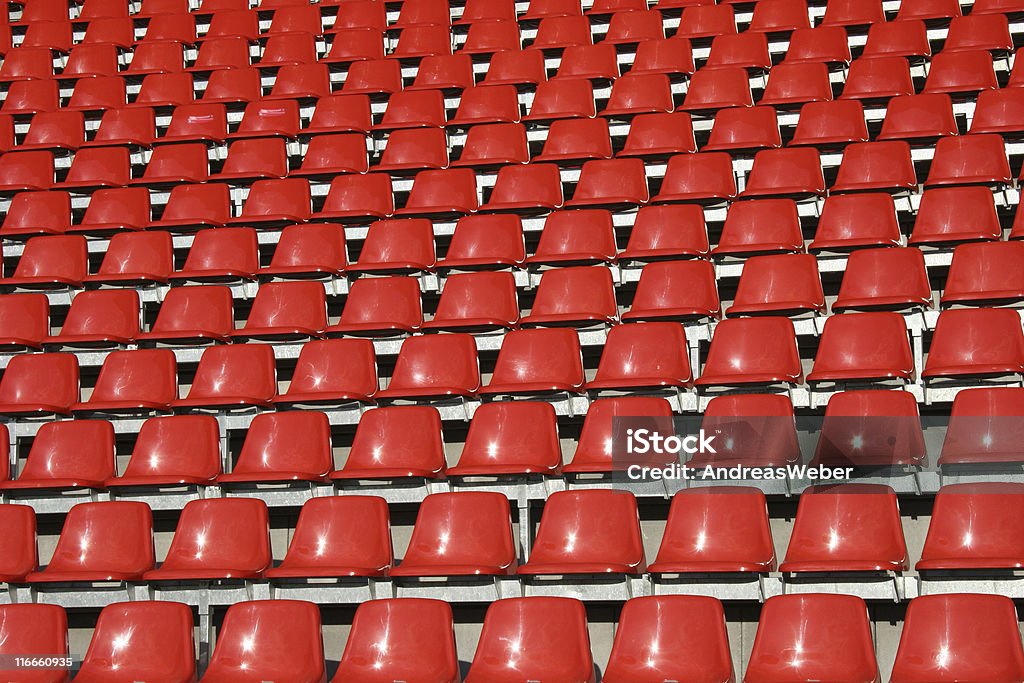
125, 550
972, 528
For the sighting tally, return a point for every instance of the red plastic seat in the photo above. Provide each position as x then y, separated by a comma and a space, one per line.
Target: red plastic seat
443, 72
98, 167
19, 560
278, 118
631, 28
251, 642
171, 28
486, 10
485, 242
999, 111
37, 213
785, 172
413, 109
600, 440
30, 170
308, 251
115, 209
847, 528
490, 104
232, 377
134, 381
332, 372
831, 124
29, 627
975, 342
362, 14
60, 130
871, 428
706, 21
291, 446
747, 50
460, 534
752, 429
434, 366
491, 36
493, 145
969, 159
760, 226
516, 67
719, 88
752, 351
797, 83
558, 33
51, 262
744, 128
285, 200
945, 639
476, 301
354, 44
721, 529
176, 164
876, 166
576, 140
338, 536
971, 528
297, 18
163, 57
979, 32
380, 306
285, 49
340, 114
161, 643
562, 99
842, 651
702, 177
635, 94
907, 38
226, 255
397, 246
529, 188
190, 207
982, 428
394, 443
592, 62
33, 97
27, 63
675, 290
666, 232
421, 642
39, 384
373, 77
779, 16
646, 624
414, 149
193, 314
442, 193
537, 362
422, 13
232, 86
851, 13
541, 9
659, 135
254, 158
781, 284
124, 554
960, 73
983, 273
423, 41
863, 346
222, 52
99, 319
171, 451
575, 237
510, 437
24, 321
355, 197
72, 454
878, 78
928, 10
653, 355
587, 532
669, 56
286, 310
165, 90
956, 214
329, 155
925, 116
611, 182
851, 221
222, 538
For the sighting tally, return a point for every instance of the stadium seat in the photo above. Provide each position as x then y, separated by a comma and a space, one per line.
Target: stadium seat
99, 319
460, 534
172, 451
999, 111
190, 315
575, 238
332, 372
785, 172
27, 628
165, 90
970, 160
982, 428
871, 428
356, 197
779, 284
595, 450
338, 536
278, 118
442, 193
580, 296
961, 73
328, 155
611, 183
115, 210
719, 529
485, 242
744, 128
892, 278
27, 63
23, 171
286, 49
706, 21
413, 109
409, 150
752, 351
841, 651
221, 538
535, 638
878, 78
558, 33
907, 38
971, 528
382, 450
876, 166
747, 50
510, 438
703, 177
373, 77
190, 207
830, 124
635, 94
539, 361
675, 290
18, 544
24, 321
631, 28
33, 97
44, 384
174, 164
984, 272
125, 553
98, 167
380, 306
160, 643
251, 642
286, 310
233, 86
272, 202
864, 346
530, 188
794, 84
666, 232
648, 356
292, 446
340, 114
226, 255
646, 624
51, 262
516, 67
943, 638
562, 99
659, 135
73, 454
62, 131
975, 342
669, 56
138, 381
420, 642
490, 104
754, 429
587, 532
918, 117
576, 140
852, 221
780, 16
237, 376
37, 213
719, 88
253, 158
446, 72
760, 226
397, 246
313, 251
476, 301
435, 366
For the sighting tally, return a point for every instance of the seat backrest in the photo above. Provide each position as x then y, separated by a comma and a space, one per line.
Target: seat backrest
79, 451
465, 533
289, 305
18, 555
206, 307
601, 439
227, 249
103, 314
590, 527
347, 534
398, 438
176, 446
983, 426
33, 627
874, 427
532, 358
294, 442
63, 256
143, 253
982, 511
161, 643
652, 354
347, 367
41, 382
245, 371
227, 535
519, 435
114, 537
442, 364
146, 375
